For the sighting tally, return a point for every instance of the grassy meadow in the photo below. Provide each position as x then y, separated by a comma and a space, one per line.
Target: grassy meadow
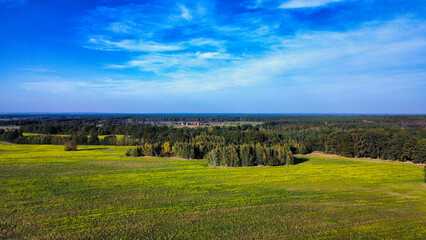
119, 137
97, 192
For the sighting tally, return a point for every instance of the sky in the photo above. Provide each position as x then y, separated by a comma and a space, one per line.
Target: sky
251, 56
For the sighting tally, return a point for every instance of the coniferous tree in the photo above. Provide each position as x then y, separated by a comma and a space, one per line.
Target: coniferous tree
214, 158
259, 155
234, 159
225, 157
93, 139
289, 158
246, 155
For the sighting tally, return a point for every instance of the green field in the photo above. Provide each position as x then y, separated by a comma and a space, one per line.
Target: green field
119, 137
39, 134
97, 192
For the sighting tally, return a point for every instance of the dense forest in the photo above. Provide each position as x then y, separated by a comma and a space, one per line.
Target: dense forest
274, 142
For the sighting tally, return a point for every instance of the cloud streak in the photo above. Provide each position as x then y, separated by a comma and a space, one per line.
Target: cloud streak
131, 45
306, 3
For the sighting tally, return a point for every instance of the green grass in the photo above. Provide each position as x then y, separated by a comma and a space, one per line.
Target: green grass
119, 137
97, 192
39, 134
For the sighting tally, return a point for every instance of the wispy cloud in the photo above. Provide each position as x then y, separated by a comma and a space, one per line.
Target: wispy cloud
277, 51
306, 3
166, 28
39, 69
377, 56
316, 63
131, 45
172, 63
185, 13
206, 41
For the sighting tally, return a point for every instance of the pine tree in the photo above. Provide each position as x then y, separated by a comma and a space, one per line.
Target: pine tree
225, 157
289, 158
259, 154
93, 139
247, 156
234, 159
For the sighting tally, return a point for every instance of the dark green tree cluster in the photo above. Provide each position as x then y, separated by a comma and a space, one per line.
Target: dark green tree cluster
109, 140
93, 138
42, 139
11, 135
401, 145
251, 155
186, 150
221, 155
151, 150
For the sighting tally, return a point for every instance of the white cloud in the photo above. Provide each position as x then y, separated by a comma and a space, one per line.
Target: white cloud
165, 63
185, 13
38, 69
205, 41
214, 55
306, 3
120, 27
380, 58
372, 59
131, 45
144, 46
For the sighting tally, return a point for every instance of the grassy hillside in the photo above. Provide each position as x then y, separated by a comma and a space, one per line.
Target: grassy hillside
46, 192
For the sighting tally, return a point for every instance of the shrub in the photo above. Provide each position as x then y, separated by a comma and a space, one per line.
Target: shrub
70, 146
134, 152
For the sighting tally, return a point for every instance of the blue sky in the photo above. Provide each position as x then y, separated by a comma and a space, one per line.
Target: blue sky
257, 56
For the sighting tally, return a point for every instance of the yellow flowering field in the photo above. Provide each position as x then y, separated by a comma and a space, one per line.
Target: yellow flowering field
98, 192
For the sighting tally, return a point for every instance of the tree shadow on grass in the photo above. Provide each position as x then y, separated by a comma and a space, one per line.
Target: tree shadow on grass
298, 160
91, 149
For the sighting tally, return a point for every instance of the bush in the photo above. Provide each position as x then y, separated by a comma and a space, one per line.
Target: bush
70, 146
134, 152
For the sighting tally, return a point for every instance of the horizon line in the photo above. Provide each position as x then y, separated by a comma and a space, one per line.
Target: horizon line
209, 113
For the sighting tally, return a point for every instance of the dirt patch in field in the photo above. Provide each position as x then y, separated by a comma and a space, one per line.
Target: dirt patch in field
402, 195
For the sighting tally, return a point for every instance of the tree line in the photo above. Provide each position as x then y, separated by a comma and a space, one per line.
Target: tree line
220, 155
343, 136
401, 145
